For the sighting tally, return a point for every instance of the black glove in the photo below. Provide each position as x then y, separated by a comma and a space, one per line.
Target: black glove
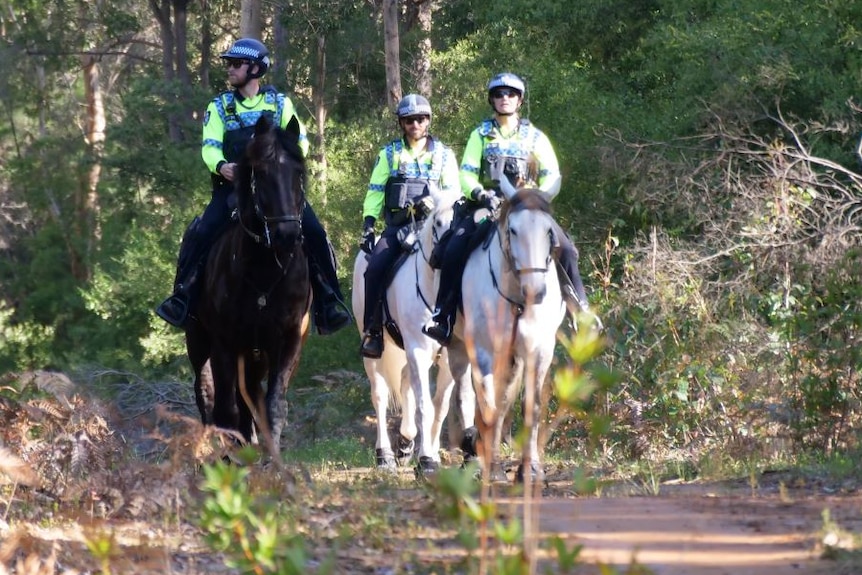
423, 206
368, 240
487, 198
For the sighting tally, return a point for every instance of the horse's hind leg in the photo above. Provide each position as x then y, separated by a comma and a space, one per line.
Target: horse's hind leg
408, 431
198, 349
459, 368
205, 392
442, 400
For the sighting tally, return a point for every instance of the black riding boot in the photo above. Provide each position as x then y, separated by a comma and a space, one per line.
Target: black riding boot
330, 314
439, 327
372, 339
175, 309
572, 286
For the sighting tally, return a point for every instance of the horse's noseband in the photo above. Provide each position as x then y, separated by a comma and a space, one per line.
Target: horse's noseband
266, 220
513, 263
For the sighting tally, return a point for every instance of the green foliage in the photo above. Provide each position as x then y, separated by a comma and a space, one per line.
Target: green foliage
638, 99
252, 531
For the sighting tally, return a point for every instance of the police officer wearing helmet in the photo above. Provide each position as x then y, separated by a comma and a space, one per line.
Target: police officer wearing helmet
504, 145
401, 189
227, 128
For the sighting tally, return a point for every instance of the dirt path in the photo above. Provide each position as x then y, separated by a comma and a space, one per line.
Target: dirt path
699, 532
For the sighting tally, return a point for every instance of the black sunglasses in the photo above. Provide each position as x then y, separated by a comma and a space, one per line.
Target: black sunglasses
415, 120
501, 93
237, 63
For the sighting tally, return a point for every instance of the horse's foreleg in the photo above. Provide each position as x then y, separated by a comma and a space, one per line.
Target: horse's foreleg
488, 423
419, 368
380, 400
225, 412
280, 372
533, 410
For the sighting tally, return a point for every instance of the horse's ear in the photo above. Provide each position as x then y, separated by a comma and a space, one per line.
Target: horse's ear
292, 128
552, 187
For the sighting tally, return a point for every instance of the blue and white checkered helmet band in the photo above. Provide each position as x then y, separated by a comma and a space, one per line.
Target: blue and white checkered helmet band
244, 52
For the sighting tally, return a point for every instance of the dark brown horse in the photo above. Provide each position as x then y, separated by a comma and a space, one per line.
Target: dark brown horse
253, 317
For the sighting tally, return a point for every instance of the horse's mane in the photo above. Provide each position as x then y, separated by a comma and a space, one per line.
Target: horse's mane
526, 199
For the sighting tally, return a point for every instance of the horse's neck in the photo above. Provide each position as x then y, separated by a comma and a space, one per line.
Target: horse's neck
426, 246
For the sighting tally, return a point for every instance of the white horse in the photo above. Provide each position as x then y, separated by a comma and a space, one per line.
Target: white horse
405, 372
512, 309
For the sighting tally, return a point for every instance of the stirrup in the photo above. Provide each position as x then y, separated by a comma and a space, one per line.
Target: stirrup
174, 310
372, 345
331, 318
438, 330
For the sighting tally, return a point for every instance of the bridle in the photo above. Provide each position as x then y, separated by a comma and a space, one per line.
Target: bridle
435, 238
267, 220
505, 244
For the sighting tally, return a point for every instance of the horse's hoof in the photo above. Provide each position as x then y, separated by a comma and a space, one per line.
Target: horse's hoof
385, 459
497, 473
426, 468
406, 447
537, 474
468, 443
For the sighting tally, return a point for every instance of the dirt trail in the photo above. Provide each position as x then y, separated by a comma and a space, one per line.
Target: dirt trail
690, 533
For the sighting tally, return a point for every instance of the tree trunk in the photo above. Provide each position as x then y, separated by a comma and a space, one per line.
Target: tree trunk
319, 100
182, 118
422, 62
278, 48
181, 55
251, 19
392, 52
162, 12
417, 24
206, 42
87, 217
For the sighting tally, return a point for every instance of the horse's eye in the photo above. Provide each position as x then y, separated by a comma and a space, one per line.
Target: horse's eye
513, 232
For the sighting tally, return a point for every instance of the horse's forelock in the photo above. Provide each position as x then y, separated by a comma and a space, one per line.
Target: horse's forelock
526, 199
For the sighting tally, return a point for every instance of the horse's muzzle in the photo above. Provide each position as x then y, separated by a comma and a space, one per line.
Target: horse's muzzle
286, 234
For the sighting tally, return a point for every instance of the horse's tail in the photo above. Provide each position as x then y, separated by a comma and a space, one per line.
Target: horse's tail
392, 366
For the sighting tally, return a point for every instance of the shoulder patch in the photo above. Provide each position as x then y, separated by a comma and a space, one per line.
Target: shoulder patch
207, 118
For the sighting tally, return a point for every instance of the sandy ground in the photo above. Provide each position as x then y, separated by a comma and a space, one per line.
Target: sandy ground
702, 532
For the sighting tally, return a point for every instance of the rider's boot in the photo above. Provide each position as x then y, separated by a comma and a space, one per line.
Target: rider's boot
175, 309
576, 306
372, 339
439, 327
330, 312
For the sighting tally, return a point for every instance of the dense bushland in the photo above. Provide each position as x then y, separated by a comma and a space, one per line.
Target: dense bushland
708, 152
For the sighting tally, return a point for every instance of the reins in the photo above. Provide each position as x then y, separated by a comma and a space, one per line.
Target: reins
266, 238
434, 239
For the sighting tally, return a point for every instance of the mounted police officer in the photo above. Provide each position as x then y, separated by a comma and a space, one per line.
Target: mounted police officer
227, 128
402, 188
505, 145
